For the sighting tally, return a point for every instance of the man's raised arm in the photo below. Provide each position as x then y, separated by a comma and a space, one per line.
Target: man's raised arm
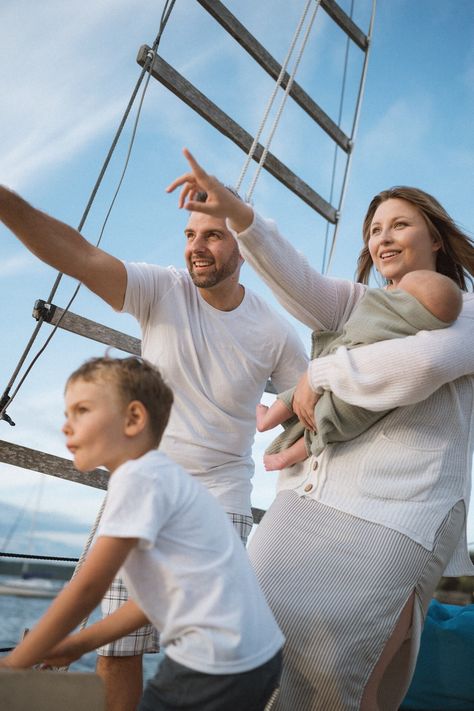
64, 248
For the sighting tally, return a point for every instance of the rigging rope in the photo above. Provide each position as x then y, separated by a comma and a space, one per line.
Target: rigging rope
277, 85
82, 557
6, 399
283, 102
336, 147
355, 125
30, 556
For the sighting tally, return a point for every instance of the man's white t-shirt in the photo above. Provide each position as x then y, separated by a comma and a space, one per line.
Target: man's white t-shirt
189, 573
217, 363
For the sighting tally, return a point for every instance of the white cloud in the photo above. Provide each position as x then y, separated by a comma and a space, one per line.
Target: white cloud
34, 155
18, 264
201, 59
66, 90
398, 132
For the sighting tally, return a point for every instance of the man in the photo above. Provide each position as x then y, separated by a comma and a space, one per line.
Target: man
216, 344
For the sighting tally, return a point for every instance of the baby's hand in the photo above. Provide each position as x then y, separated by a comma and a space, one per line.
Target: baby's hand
260, 416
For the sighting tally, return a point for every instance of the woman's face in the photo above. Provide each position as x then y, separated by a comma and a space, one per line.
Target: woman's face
399, 240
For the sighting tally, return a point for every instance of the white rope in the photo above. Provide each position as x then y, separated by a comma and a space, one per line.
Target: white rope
336, 147
82, 557
88, 544
277, 85
353, 135
282, 104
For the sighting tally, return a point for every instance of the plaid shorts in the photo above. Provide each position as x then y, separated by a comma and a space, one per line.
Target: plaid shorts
146, 640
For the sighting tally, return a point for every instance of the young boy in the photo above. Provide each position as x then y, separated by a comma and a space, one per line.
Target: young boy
186, 570
423, 300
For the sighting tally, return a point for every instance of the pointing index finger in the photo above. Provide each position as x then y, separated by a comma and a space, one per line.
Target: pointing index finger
199, 172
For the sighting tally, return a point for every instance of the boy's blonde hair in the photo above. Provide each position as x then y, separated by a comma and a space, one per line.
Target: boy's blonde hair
135, 379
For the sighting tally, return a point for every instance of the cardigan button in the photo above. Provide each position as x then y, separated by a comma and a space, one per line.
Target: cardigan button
315, 464
308, 487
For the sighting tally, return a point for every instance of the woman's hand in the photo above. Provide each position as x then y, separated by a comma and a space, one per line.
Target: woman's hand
220, 201
304, 402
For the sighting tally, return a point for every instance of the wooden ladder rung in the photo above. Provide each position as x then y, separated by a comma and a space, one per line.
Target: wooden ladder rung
187, 92
82, 326
34, 460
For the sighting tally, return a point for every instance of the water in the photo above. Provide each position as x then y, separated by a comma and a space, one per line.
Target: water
19, 613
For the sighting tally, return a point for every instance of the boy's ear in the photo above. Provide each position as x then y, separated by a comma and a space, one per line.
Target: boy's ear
136, 418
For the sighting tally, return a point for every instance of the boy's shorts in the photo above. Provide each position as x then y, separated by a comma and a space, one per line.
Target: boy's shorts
175, 686
146, 639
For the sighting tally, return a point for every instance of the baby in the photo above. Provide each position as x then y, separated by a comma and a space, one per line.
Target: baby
423, 300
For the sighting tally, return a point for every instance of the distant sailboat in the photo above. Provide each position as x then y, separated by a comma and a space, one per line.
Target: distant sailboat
30, 587
28, 583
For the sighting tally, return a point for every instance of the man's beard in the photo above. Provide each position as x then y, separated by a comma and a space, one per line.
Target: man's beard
206, 281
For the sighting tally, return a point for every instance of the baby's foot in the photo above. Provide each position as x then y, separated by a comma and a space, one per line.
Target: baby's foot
260, 415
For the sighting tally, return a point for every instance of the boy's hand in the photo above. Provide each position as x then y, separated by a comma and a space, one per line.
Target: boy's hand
63, 654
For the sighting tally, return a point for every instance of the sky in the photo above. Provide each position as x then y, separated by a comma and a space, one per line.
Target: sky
67, 71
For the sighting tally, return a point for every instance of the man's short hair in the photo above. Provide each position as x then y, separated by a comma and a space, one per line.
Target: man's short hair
135, 379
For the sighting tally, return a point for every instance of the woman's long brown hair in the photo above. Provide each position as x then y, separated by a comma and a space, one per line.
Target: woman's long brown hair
455, 258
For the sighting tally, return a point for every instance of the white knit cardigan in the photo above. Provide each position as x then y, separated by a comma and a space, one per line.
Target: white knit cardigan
412, 466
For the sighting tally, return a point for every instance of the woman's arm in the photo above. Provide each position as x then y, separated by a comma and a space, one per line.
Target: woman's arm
320, 302
402, 371
317, 301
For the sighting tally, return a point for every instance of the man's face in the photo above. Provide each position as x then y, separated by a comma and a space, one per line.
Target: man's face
211, 252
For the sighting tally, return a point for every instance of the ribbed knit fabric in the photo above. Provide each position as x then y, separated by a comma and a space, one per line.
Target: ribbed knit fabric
409, 469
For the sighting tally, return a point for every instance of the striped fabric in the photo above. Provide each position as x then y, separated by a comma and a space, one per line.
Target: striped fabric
146, 639
336, 585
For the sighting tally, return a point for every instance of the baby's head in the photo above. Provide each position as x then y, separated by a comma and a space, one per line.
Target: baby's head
114, 403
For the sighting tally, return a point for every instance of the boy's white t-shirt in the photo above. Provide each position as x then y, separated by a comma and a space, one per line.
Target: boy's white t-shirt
189, 573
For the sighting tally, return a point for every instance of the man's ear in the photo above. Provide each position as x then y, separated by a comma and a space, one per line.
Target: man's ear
136, 418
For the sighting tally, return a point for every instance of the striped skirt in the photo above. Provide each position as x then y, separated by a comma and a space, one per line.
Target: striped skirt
337, 585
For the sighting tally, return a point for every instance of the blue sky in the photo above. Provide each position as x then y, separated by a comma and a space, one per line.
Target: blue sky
67, 72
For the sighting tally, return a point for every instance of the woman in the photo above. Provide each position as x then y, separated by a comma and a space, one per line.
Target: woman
351, 550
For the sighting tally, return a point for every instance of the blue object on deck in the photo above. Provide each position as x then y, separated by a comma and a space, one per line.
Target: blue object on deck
444, 674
